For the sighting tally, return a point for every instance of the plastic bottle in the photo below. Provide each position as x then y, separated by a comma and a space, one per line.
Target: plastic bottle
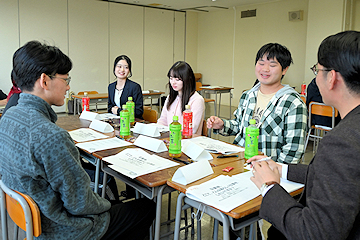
175, 138
85, 102
131, 108
251, 140
124, 123
187, 122
303, 88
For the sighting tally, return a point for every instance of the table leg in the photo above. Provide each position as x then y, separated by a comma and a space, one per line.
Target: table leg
158, 212
230, 104
97, 173
75, 108
219, 104
3, 215
104, 186
159, 99
178, 216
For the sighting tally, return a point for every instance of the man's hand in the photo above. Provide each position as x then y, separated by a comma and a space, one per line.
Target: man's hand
263, 172
271, 163
215, 123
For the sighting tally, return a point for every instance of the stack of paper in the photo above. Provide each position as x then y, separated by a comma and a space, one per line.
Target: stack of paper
86, 134
216, 146
99, 145
135, 162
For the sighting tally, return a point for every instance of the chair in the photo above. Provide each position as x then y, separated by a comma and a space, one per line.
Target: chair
150, 115
207, 100
22, 210
198, 76
89, 92
303, 98
316, 108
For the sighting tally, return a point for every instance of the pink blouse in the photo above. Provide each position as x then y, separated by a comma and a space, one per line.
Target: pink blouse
197, 106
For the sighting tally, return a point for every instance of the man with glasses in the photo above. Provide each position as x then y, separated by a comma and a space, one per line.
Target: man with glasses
279, 112
40, 159
329, 206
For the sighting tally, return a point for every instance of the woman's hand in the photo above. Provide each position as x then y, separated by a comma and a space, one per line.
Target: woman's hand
114, 110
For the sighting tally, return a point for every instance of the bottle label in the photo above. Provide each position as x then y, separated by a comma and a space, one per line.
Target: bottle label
85, 104
175, 139
187, 123
124, 123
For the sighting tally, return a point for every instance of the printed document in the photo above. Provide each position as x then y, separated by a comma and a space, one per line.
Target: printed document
134, 162
216, 146
99, 145
86, 134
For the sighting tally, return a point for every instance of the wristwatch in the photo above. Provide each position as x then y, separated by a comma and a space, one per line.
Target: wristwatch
266, 186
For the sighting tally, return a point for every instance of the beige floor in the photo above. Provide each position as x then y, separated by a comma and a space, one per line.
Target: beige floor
206, 222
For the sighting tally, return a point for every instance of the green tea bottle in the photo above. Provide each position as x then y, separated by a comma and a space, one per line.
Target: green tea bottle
124, 123
251, 140
175, 138
131, 108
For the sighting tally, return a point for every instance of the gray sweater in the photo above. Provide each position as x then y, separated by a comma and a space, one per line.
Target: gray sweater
40, 159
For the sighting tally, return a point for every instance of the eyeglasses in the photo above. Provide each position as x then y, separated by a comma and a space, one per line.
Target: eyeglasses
67, 80
315, 70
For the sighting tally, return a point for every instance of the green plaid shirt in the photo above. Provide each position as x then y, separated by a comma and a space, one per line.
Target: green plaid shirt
282, 126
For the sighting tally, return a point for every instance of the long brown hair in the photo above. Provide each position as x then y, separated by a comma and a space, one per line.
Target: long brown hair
184, 72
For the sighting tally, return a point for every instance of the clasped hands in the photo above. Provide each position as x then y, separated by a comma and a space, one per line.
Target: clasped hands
264, 171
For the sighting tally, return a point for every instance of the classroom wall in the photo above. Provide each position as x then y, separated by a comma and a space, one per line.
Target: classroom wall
93, 36
233, 64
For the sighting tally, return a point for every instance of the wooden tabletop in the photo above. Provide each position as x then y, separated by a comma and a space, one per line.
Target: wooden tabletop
153, 93
216, 88
92, 96
242, 210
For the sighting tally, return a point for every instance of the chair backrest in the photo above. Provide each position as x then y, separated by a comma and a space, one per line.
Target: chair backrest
150, 115
198, 76
303, 98
321, 109
89, 92
22, 210
198, 86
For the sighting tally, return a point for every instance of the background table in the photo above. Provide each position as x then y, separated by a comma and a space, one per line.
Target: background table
220, 90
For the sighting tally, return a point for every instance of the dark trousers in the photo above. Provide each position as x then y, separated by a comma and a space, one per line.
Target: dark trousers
274, 234
130, 220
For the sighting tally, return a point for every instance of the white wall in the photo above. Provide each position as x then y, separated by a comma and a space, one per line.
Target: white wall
228, 44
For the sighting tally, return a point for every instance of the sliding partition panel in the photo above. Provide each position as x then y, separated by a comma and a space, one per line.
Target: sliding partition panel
88, 45
9, 40
45, 21
127, 37
158, 47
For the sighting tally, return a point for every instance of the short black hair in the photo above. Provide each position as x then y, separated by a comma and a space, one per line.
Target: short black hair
275, 50
127, 59
35, 58
341, 52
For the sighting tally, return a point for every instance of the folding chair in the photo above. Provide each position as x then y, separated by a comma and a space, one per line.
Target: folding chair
321, 109
150, 115
303, 98
22, 210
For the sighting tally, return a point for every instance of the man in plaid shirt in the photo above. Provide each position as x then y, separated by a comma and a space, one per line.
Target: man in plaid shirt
279, 112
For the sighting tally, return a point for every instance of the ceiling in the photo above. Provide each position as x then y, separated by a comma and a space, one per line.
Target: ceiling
193, 5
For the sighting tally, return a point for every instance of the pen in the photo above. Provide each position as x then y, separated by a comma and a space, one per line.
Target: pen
227, 156
179, 160
260, 160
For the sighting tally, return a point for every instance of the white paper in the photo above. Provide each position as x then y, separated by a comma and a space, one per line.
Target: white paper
135, 162
212, 87
145, 92
160, 127
99, 145
146, 129
192, 172
224, 192
86, 134
104, 116
216, 146
195, 151
101, 126
151, 144
324, 127
87, 115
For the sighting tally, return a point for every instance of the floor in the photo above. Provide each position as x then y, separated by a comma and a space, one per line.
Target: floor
206, 222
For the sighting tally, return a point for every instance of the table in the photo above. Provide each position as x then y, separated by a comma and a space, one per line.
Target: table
250, 207
94, 99
99, 98
215, 90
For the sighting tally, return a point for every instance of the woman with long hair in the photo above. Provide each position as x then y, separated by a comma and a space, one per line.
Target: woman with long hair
182, 89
